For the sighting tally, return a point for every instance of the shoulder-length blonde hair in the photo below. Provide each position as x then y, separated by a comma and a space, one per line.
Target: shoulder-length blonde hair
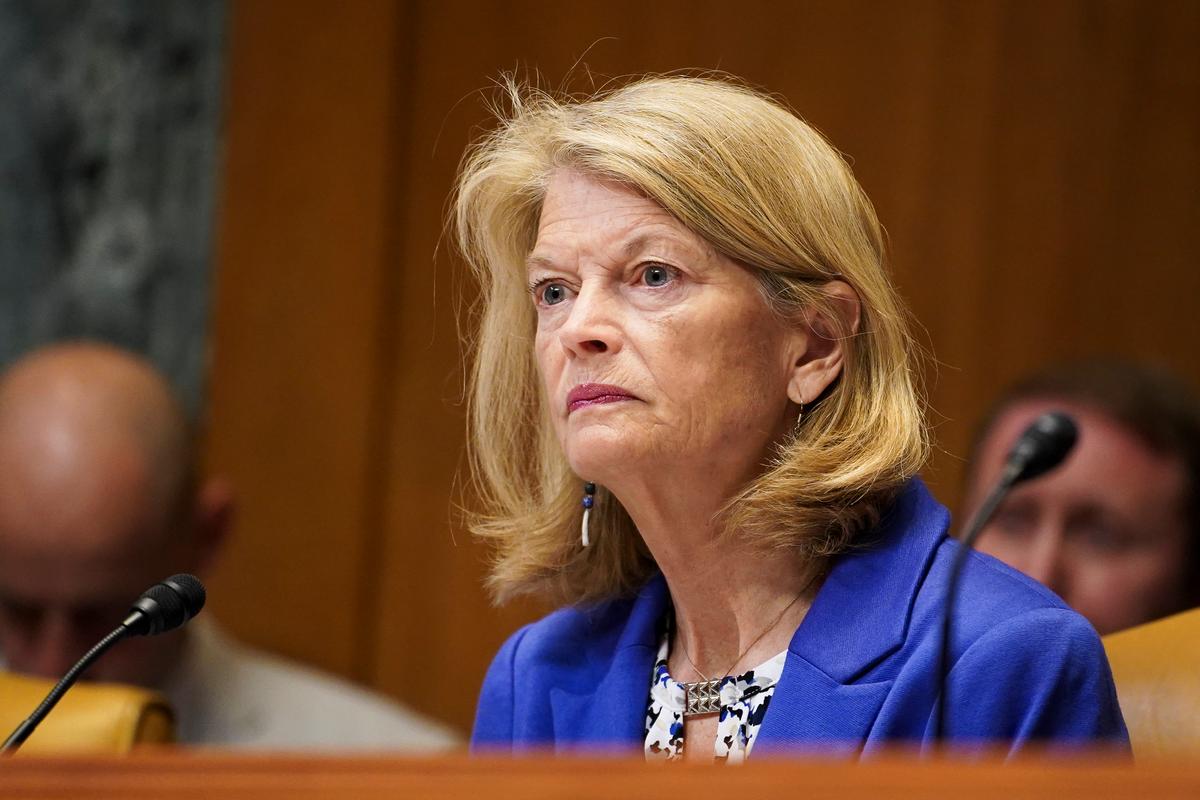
764, 189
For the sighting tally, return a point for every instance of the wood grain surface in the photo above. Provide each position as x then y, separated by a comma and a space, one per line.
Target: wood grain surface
268, 777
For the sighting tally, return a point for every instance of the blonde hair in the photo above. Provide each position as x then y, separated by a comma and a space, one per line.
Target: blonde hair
764, 189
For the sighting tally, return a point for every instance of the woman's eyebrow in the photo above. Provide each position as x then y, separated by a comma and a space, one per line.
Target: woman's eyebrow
533, 261
646, 241
635, 245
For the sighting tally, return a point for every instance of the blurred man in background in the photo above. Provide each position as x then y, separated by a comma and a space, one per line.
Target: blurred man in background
1115, 530
100, 499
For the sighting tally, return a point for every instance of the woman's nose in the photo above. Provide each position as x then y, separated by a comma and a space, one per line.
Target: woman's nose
592, 325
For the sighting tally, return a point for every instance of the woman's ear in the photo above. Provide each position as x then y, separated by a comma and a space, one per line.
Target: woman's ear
821, 351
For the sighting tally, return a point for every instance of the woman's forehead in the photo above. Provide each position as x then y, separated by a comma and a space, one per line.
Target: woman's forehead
572, 195
585, 212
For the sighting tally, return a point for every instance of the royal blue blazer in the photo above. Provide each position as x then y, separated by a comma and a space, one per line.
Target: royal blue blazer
861, 670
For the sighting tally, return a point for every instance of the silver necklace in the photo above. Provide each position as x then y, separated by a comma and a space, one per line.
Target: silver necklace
704, 697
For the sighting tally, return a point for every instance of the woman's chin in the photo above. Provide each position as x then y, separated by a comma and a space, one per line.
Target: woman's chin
601, 458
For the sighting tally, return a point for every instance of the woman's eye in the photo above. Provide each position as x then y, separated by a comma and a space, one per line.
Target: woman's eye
656, 275
552, 293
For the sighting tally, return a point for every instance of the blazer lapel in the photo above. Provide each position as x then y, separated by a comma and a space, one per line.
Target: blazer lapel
811, 711
861, 615
825, 698
611, 711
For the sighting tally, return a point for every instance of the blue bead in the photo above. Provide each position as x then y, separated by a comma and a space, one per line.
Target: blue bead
587, 502
589, 488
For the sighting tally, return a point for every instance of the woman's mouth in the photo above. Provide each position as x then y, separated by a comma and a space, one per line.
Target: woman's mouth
594, 394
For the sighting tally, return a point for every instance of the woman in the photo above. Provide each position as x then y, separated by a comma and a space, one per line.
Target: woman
696, 425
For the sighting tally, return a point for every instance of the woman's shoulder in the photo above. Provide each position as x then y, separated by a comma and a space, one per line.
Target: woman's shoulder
893, 593
918, 547
991, 591
587, 632
562, 632
1024, 663
1004, 612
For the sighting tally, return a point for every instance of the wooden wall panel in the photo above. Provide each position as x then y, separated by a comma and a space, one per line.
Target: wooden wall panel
1070, 253
1035, 164
304, 261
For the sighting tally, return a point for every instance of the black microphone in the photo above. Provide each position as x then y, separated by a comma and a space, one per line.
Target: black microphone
163, 607
1041, 447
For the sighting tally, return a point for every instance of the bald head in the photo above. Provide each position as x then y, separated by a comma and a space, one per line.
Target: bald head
85, 426
97, 500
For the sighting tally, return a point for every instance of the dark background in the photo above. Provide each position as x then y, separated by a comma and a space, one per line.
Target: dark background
109, 130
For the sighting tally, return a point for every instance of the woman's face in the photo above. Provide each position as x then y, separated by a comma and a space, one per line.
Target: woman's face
657, 352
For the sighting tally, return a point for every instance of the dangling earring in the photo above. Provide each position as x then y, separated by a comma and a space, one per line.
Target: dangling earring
799, 419
589, 500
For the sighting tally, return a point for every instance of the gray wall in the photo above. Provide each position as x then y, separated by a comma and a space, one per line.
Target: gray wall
109, 125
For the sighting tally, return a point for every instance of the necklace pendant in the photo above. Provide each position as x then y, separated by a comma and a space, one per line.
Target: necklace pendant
703, 697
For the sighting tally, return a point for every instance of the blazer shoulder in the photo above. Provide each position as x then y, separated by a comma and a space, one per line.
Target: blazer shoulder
990, 591
1037, 675
990, 595
567, 649
567, 635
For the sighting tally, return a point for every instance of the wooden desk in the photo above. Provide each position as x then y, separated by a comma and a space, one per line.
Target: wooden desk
182, 776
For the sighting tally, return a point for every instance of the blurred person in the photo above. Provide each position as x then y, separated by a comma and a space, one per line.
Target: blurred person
99, 499
1115, 530
696, 427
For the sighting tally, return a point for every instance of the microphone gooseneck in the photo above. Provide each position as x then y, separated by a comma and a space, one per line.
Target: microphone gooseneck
161, 608
1041, 447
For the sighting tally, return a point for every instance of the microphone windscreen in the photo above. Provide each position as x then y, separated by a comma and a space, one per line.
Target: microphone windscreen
191, 592
1043, 445
165, 606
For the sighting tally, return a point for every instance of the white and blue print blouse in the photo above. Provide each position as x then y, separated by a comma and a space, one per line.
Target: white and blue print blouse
744, 702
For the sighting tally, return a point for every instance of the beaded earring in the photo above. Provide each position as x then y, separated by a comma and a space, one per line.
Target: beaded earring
589, 500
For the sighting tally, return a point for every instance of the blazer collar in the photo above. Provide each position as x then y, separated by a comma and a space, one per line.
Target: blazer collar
647, 612
861, 615
824, 701
611, 712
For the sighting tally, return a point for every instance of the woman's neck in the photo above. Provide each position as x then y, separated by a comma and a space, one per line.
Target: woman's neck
736, 605
734, 614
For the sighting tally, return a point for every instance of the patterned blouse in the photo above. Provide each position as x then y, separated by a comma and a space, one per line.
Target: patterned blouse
744, 702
